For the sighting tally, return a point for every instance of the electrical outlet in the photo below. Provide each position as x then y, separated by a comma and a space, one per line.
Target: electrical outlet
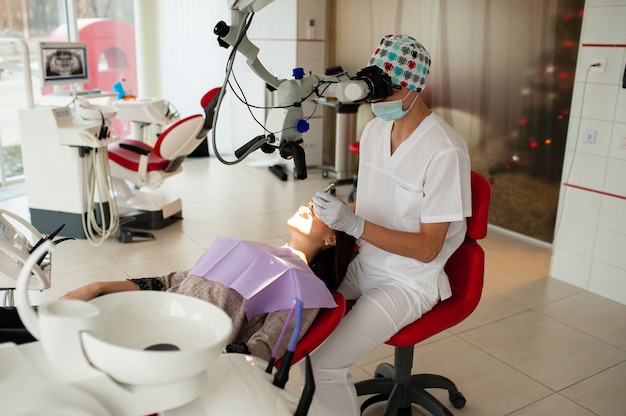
589, 136
621, 141
600, 65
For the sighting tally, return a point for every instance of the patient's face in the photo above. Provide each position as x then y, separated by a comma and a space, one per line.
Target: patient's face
305, 222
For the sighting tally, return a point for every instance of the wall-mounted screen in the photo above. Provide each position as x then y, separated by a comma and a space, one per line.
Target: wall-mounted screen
64, 63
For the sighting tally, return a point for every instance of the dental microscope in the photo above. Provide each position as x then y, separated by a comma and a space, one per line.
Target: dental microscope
285, 122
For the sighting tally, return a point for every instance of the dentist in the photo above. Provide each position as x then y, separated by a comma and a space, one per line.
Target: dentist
409, 216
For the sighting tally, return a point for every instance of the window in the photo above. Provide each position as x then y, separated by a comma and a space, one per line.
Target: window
105, 26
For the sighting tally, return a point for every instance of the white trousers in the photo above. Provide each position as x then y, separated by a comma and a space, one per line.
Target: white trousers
381, 310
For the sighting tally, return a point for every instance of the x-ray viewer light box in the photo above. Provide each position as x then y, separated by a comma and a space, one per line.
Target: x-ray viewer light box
64, 63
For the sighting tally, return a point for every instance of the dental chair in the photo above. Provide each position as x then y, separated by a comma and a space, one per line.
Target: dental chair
465, 268
324, 324
136, 168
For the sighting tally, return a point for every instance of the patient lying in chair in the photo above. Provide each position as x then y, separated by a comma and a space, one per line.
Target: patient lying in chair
232, 274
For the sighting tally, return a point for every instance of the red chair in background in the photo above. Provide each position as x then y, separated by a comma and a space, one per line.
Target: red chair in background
146, 165
465, 269
135, 165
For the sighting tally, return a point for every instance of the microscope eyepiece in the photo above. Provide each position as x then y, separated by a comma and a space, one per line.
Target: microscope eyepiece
380, 83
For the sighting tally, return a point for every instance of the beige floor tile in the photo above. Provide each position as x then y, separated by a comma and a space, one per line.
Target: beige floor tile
166, 243
603, 393
275, 221
243, 228
491, 387
592, 314
550, 352
248, 205
529, 263
519, 266
503, 245
162, 265
202, 211
551, 406
79, 255
492, 307
533, 292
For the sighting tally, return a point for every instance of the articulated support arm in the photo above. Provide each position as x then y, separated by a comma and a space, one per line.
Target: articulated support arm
285, 121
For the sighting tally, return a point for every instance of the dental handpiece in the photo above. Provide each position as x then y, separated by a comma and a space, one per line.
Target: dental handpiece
329, 188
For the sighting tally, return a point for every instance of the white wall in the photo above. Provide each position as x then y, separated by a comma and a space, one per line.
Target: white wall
184, 55
588, 248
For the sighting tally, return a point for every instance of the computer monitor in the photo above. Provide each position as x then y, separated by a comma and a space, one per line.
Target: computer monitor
64, 63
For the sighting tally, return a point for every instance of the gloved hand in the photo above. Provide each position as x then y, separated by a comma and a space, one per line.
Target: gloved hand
336, 214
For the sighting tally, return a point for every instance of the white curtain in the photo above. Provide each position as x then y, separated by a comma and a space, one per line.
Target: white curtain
482, 52
186, 56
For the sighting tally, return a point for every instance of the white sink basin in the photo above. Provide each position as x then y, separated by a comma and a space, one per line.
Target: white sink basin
183, 336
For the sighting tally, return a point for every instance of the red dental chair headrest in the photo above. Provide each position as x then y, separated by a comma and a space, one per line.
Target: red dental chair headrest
208, 103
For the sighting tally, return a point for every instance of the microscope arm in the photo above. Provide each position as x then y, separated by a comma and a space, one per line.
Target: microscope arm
235, 35
290, 92
285, 121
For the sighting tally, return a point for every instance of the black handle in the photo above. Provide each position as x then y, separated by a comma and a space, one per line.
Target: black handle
243, 149
135, 148
48, 237
282, 375
292, 149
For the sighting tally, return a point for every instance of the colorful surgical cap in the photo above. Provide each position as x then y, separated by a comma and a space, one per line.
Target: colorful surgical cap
404, 59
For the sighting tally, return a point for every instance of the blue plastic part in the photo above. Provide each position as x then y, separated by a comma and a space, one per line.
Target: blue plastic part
298, 326
298, 73
119, 89
302, 126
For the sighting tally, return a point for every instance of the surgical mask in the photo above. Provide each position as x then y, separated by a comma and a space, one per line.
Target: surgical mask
391, 110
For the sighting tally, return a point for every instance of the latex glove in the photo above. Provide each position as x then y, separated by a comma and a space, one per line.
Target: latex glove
337, 215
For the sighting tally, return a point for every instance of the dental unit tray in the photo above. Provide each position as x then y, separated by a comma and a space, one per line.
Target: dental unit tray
84, 127
148, 110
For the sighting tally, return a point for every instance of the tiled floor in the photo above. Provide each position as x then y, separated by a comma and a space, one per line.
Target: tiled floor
535, 345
